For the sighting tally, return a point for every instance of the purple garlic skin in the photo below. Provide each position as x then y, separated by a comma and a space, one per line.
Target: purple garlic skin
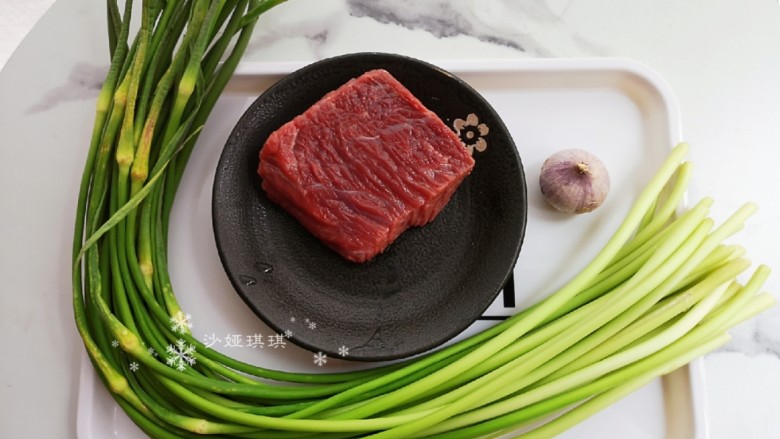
574, 181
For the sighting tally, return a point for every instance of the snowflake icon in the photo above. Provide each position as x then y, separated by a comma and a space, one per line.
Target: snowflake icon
134, 366
343, 351
292, 319
320, 359
181, 323
180, 355
288, 334
115, 343
312, 325
152, 352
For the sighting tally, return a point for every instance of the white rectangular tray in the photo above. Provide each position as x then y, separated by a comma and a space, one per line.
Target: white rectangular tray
618, 109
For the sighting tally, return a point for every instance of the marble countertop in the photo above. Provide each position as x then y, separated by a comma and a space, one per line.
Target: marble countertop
722, 59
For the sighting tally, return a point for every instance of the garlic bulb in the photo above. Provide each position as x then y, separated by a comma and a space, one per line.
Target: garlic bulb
574, 181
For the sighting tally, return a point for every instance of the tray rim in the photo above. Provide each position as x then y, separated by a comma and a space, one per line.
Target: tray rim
692, 373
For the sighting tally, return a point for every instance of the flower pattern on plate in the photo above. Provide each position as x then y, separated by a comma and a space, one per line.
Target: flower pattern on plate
471, 132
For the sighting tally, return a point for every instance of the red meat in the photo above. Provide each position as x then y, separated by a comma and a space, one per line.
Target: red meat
364, 164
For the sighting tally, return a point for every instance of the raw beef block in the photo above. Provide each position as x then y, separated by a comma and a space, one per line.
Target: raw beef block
363, 164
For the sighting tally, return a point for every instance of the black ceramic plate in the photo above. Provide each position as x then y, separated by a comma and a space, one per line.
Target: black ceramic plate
429, 285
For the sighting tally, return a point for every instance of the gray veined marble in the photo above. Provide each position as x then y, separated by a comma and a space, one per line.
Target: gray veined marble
451, 29
758, 336
440, 18
82, 83
523, 26
314, 31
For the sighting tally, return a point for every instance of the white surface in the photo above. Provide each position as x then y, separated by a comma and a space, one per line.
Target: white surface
721, 58
618, 109
17, 17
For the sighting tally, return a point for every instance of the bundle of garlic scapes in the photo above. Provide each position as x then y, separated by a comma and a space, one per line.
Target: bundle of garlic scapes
662, 292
